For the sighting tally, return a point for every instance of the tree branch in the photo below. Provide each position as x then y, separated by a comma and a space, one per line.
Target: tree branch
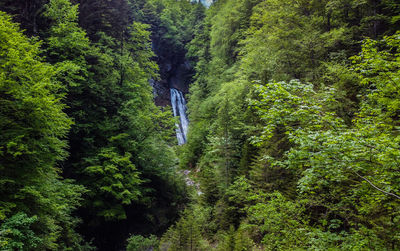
377, 188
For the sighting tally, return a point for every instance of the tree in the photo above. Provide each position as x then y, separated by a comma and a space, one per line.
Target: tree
32, 142
342, 169
27, 13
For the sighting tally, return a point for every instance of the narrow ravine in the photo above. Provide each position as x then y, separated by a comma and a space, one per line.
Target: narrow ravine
292, 144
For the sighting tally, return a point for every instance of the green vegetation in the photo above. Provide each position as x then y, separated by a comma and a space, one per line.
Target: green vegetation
294, 110
81, 135
140, 243
293, 132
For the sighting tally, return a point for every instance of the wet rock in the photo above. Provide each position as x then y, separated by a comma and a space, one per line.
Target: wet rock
162, 96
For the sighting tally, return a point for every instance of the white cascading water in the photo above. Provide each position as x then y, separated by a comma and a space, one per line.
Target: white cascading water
206, 3
179, 108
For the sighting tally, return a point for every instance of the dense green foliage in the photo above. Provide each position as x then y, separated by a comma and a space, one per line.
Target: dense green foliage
36, 204
78, 106
294, 125
140, 243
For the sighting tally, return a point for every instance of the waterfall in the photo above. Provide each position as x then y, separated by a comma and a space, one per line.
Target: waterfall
179, 108
206, 3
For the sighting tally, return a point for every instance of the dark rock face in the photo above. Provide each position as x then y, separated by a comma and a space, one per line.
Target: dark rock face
162, 96
180, 78
176, 73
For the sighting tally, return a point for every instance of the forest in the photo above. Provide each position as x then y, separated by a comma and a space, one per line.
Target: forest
286, 135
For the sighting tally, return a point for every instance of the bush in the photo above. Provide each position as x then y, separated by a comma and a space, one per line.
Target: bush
140, 243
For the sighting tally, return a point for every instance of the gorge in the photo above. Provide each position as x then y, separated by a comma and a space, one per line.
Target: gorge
177, 125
